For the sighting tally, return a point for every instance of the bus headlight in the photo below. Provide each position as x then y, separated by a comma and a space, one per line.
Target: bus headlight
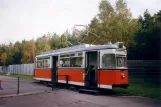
83, 76
123, 75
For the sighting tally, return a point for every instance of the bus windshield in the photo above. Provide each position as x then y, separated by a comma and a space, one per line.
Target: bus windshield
121, 61
108, 61
113, 61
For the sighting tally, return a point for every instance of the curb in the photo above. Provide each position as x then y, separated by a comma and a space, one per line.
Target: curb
140, 97
23, 94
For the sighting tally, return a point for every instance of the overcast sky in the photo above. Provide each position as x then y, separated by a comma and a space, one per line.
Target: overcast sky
27, 19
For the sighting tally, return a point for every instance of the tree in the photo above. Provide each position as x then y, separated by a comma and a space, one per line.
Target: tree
54, 41
112, 24
148, 37
105, 9
42, 44
4, 58
29, 52
94, 32
63, 40
17, 52
72, 39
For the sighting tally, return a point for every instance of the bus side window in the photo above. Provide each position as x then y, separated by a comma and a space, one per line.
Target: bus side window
72, 60
76, 61
43, 63
46, 63
39, 64
61, 63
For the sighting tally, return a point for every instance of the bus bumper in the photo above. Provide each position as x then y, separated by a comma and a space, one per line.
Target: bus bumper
120, 85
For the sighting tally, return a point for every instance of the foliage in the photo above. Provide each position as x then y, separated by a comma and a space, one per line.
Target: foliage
115, 23
42, 44
148, 37
4, 58
112, 24
29, 52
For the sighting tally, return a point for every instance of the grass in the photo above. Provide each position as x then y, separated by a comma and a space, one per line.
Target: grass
18, 75
145, 89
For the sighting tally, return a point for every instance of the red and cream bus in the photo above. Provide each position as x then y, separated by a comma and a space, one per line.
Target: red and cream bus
92, 66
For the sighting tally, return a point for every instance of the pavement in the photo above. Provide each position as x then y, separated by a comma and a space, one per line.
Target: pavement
10, 86
69, 98
37, 95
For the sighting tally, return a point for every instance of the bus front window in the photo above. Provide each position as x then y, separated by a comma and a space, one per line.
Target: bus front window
108, 61
121, 61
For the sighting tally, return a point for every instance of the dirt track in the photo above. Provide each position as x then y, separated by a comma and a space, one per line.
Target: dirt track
9, 85
67, 98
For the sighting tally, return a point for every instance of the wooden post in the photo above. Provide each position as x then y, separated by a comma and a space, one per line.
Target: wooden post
0, 84
18, 85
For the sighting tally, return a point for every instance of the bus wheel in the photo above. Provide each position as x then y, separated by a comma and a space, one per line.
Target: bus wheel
41, 82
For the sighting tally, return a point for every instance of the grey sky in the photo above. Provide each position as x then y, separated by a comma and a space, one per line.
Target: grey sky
27, 19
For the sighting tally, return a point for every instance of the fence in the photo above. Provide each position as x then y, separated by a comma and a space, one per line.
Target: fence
139, 70
145, 71
26, 69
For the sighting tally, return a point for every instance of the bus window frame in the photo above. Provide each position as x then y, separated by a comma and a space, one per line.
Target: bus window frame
49, 58
103, 52
75, 53
120, 55
114, 58
111, 51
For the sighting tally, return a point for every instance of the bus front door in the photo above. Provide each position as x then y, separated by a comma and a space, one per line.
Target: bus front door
55, 68
91, 69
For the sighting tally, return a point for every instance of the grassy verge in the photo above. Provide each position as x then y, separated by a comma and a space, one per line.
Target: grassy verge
144, 89
19, 75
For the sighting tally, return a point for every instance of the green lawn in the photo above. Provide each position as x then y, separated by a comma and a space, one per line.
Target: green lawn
145, 89
21, 76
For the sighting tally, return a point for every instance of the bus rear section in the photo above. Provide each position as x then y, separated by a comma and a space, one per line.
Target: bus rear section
43, 69
113, 71
112, 78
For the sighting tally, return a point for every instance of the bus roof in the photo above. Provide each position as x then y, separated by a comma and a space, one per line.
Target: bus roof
78, 48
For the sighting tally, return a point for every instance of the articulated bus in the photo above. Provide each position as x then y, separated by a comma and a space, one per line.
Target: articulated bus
90, 66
